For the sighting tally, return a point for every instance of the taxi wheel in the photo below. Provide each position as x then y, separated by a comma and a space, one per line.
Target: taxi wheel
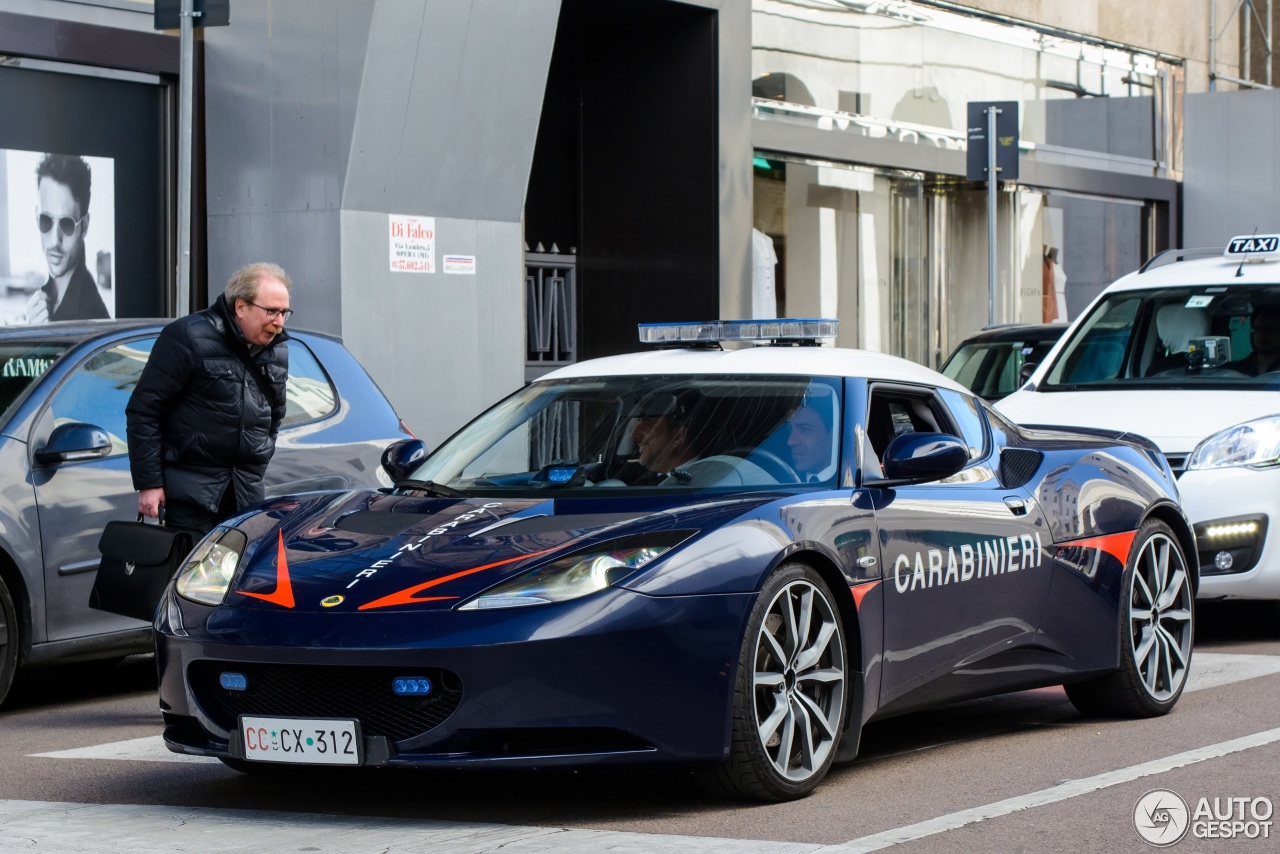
10, 640
789, 701
1158, 624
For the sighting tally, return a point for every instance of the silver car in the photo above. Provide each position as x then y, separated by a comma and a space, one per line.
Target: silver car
64, 469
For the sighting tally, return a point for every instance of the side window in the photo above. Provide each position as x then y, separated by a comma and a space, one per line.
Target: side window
308, 392
99, 388
969, 419
893, 413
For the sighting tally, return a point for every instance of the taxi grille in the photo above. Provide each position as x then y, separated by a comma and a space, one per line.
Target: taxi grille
319, 691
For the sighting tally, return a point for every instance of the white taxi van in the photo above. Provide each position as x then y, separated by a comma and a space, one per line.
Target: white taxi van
1186, 351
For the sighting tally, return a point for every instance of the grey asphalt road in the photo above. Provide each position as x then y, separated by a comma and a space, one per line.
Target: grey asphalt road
913, 769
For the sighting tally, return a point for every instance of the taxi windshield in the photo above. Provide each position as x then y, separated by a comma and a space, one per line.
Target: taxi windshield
648, 433
1207, 336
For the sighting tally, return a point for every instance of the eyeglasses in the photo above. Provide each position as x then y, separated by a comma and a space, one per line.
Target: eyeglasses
282, 313
66, 224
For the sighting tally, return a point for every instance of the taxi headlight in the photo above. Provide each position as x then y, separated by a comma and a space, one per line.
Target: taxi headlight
579, 574
207, 574
1253, 443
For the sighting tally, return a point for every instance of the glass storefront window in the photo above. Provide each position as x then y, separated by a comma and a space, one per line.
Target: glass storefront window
850, 244
900, 258
908, 72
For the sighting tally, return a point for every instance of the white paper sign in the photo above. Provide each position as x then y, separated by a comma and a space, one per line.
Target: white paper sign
464, 264
412, 242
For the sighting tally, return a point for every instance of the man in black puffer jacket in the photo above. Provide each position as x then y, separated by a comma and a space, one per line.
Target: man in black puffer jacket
203, 418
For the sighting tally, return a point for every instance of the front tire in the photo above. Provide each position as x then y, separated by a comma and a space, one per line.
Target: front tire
1157, 627
790, 695
10, 640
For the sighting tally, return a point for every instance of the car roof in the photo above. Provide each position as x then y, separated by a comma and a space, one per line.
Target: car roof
1186, 269
79, 331
775, 360
1018, 332
76, 331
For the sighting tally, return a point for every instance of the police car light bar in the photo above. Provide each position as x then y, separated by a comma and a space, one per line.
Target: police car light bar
793, 329
1254, 247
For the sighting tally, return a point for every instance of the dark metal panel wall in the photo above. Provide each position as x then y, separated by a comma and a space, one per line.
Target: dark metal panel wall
449, 108
280, 108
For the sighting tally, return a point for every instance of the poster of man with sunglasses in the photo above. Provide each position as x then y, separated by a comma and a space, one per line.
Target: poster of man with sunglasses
68, 274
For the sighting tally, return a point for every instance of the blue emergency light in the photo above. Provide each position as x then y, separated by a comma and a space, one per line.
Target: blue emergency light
411, 686
784, 330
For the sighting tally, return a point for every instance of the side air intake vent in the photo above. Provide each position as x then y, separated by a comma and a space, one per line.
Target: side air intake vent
1017, 465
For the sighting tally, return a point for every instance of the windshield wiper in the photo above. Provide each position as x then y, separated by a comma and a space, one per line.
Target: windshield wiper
431, 488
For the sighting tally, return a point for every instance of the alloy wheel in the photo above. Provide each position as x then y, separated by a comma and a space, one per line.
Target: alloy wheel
799, 680
1160, 617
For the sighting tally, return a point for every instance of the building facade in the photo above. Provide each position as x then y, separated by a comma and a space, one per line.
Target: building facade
473, 192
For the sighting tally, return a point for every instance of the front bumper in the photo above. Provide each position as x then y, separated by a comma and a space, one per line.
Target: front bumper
1241, 505
614, 677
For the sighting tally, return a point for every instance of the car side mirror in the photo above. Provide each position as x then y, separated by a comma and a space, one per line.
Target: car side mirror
922, 457
1025, 372
72, 442
402, 457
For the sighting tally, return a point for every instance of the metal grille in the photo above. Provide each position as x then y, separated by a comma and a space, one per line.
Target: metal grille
550, 285
318, 691
1177, 462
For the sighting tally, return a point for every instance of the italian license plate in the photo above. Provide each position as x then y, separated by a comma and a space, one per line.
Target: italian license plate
302, 741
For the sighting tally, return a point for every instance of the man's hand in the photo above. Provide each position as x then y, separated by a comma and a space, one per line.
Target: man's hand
150, 501
38, 307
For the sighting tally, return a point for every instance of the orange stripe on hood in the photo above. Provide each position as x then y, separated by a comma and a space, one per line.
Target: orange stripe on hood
406, 596
283, 594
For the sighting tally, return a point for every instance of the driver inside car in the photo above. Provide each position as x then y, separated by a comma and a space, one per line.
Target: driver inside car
662, 434
1264, 338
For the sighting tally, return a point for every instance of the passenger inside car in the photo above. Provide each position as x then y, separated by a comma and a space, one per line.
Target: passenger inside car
811, 435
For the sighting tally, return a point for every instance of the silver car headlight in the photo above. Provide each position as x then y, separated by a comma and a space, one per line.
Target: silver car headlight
579, 574
1253, 443
207, 574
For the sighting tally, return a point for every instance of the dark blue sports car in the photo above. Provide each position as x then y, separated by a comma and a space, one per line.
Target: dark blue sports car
724, 559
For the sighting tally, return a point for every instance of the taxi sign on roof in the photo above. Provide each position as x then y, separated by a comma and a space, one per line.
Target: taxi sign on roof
1254, 247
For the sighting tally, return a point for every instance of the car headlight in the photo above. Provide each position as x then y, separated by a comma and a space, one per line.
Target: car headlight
207, 574
1253, 443
579, 574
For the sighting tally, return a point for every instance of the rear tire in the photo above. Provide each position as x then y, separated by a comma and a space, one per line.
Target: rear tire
790, 694
1157, 627
10, 640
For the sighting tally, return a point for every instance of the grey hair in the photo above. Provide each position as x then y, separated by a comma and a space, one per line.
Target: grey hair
244, 282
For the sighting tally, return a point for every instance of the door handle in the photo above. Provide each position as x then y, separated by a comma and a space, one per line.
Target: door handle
866, 561
1016, 506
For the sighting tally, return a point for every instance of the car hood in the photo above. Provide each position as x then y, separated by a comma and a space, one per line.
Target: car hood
1176, 420
373, 553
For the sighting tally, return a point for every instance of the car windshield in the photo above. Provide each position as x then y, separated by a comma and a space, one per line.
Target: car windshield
650, 433
1206, 336
993, 369
21, 364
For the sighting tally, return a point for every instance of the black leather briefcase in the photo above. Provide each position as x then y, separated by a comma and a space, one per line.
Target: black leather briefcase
137, 562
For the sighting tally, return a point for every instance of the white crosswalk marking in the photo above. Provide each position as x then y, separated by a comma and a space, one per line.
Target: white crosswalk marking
149, 749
